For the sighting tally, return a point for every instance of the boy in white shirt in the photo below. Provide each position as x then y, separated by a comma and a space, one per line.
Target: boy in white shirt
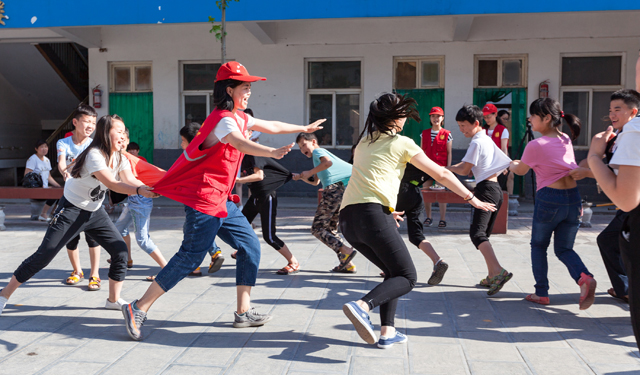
486, 161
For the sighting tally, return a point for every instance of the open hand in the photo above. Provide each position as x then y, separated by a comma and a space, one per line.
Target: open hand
314, 127
484, 206
279, 153
397, 215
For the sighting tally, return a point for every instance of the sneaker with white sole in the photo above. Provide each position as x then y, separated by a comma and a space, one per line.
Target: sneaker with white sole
386, 343
438, 272
115, 305
250, 318
3, 302
360, 320
134, 319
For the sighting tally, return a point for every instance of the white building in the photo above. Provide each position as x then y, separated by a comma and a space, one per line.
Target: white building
156, 64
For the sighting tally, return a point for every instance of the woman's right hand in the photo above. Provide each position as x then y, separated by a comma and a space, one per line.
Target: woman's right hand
484, 206
279, 153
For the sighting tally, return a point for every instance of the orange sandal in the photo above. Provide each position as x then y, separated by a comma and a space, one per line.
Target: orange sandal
94, 283
289, 269
75, 278
537, 299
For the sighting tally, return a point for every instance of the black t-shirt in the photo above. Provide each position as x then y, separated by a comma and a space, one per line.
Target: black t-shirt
413, 175
275, 175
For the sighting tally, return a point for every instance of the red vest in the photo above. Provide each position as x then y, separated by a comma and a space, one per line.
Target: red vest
436, 150
203, 179
497, 134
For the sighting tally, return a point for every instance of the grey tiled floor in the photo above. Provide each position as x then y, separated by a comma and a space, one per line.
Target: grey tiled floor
453, 328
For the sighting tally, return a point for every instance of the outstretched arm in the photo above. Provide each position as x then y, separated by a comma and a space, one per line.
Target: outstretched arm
257, 175
463, 168
518, 167
277, 127
237, 140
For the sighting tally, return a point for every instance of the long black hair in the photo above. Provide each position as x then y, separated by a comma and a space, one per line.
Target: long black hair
101, 141
384, 110
221, 99
547, 106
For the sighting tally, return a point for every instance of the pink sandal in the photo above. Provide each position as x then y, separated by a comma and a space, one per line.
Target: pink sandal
587, 291
536, 299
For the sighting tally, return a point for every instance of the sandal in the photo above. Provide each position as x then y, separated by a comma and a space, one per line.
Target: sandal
498, 281
233, 255
345, 259
216, 262
75, 278
347, 269
588, 293
442, 224
196, 272
427, 222
537, 299
486, 282
289, 269
94, 283
151, 278
613, 294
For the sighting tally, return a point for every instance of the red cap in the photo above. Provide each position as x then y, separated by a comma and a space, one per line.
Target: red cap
237, 71
436, 111
489, 109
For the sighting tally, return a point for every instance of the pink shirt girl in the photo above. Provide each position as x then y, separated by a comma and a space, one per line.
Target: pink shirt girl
550, 158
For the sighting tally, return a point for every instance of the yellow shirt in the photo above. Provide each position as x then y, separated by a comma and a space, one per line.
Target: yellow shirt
377, 170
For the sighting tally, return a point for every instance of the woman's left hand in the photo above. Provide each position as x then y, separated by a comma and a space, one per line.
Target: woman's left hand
397, 216
314, 127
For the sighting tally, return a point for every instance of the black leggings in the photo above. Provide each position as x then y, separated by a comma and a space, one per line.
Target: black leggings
68, 221
482, 223
410, 201
371, 229
267, 207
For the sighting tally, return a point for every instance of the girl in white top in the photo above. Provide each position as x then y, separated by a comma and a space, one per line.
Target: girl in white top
98, 168
40, 164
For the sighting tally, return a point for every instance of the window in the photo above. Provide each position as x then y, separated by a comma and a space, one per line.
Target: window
131, 77
418, 73
500, 71
197, 90
587, 85
334, 92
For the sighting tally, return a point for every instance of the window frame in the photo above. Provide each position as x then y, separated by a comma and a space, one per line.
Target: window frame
333, 92
418, 60
501, 58
591, 89
132, 71
184, 93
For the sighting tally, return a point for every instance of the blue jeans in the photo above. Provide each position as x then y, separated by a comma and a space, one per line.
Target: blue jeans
199, 232
556, 212
138, 213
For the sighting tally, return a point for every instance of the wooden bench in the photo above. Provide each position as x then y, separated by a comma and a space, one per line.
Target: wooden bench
445, 196
11, 192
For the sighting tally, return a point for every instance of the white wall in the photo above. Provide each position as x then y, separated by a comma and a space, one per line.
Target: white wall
543, 37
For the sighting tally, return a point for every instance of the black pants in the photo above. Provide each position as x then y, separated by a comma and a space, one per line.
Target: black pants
609, 246
630, 251
371, 229
267, 207
73, 244
482, 223
410, 201
68, 221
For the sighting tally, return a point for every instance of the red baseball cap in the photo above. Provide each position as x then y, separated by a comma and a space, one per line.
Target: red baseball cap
489, 109
237, 71
436, 111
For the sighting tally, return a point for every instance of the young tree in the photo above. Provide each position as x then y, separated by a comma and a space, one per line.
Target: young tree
220, 29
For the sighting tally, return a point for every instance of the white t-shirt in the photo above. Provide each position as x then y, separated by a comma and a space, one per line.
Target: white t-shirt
43, 167
223, 128
505, 133
627, 151
71, 150
486, 157
87, 192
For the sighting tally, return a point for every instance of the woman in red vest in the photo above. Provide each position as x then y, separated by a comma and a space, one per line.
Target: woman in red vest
500, 136
202, 179
437, 143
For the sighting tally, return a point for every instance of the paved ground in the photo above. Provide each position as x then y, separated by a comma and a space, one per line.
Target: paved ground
453, 328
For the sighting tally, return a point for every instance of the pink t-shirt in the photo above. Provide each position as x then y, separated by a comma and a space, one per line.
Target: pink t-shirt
550, 158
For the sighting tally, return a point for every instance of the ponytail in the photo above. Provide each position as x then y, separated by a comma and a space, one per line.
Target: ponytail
547, 106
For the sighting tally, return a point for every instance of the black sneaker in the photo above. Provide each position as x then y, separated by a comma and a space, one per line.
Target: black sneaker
251, 318
438, 272
134, 319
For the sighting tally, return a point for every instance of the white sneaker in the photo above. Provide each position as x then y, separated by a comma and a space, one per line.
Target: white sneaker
47, 219
3, 303
115, 305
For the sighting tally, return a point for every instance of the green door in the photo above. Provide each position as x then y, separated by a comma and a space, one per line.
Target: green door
426, 99
518, 119
136, 109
